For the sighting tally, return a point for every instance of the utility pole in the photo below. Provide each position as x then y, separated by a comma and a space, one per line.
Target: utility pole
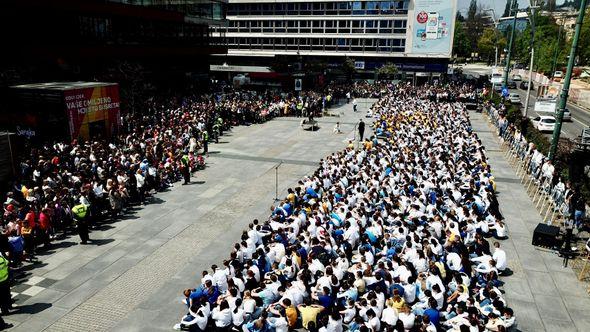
566, 83
515, 13
528, 89
554, 64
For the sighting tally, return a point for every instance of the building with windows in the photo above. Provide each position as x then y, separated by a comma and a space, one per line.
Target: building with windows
71, 40
371, 33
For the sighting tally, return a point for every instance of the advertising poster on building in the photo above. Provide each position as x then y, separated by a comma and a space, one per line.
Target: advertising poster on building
433, 26
93, 112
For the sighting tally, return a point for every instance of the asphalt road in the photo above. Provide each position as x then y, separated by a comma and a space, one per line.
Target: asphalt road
570, 129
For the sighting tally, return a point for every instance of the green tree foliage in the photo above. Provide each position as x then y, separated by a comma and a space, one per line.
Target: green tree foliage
474, 25
461, 43
472, 10
486, 45
507, 8
349, 68
584, 42
388, 70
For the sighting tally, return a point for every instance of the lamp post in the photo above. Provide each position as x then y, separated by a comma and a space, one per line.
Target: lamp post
514, 9
566, 83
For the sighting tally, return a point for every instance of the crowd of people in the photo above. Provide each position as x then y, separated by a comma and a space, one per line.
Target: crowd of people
66, 185
394, 234
566, 200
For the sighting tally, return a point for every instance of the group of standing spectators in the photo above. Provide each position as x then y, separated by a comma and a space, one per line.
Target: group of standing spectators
392, 235
66, 185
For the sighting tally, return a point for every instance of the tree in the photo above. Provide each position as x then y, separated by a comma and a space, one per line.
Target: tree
460, 17
461, 44
584, 41
474, 24
472, 10
507, 9
487, 43
349, 68
387, 70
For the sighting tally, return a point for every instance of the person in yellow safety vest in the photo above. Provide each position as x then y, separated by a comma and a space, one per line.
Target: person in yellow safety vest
5, 297
80, 213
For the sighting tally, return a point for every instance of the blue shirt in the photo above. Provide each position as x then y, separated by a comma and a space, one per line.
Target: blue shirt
434, 315
17, 243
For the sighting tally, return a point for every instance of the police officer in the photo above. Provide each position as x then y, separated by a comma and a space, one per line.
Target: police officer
80, 213
5, 297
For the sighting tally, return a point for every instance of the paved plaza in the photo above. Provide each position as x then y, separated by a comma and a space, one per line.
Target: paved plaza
132, 277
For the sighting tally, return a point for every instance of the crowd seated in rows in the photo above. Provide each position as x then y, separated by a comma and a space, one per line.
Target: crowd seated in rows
389, 236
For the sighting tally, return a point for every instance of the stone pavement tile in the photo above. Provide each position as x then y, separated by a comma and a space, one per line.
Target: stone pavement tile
532, 261
568, 285
579, 302
33, 290
517, 288
581, 318
554, 263
551, 307
541, 283
33, 280
42, 320
138, 321
560, 325
116, 269
48, 295
80, 294
67, 267
75, 279
527, 316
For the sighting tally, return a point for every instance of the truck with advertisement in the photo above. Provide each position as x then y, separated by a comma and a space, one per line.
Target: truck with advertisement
63, 110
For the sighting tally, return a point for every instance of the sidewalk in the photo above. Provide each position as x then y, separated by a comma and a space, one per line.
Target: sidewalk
545, 296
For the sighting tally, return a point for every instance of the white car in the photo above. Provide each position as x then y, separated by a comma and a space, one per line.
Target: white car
557, 76
544, 123
516, 77
514, 98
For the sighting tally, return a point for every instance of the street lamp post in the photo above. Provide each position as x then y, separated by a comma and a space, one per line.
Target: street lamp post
514, 8
566, 83
528, 90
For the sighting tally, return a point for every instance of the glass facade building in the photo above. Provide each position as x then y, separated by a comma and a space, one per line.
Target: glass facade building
266, 27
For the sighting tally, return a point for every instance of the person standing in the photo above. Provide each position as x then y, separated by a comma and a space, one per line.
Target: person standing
5, 297
361, 127
354, 105
80, 213
205, 137
186, 171
140, 180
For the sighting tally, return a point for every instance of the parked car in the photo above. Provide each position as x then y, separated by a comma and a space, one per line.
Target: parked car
557, 76
567, 115
524, 85
511, 84
516, 78
514, 98
544, 123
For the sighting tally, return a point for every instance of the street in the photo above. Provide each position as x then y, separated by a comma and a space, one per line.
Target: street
569, 129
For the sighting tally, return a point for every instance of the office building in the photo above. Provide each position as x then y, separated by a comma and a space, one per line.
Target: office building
372, 33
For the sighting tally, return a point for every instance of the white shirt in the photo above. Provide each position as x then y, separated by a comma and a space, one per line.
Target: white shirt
222, 318
389, 316
500, 257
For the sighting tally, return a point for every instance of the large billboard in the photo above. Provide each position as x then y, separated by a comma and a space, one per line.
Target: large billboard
93, 111
432, 27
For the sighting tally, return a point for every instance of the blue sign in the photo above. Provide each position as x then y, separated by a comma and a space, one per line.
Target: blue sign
505, 92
